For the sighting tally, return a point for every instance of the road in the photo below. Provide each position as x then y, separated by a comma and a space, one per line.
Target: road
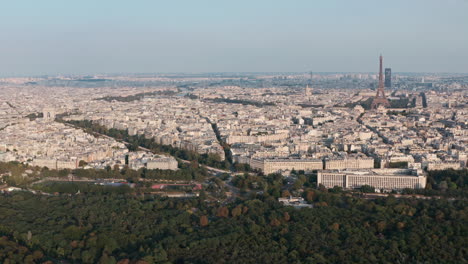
146, 149
234, 190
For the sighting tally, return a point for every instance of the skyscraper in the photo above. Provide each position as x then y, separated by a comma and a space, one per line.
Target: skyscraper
388, 77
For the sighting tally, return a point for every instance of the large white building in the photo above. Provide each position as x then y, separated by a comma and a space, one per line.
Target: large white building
55, 164
349, 163
166, 163
443, 165
268, 166
386, 179
231, 139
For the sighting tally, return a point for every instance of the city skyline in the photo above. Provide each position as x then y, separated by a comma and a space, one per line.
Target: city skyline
141, 132
337, 36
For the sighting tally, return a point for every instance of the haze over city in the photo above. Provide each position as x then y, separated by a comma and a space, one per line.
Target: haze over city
87, 37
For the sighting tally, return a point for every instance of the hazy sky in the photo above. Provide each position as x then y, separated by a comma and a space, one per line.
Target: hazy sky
100, 36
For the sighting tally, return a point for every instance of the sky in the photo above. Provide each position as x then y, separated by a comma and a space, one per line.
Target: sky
153, 36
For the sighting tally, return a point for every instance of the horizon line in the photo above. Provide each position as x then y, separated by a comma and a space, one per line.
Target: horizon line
214, 72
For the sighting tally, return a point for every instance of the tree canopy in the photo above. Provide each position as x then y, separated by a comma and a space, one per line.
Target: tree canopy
106, 228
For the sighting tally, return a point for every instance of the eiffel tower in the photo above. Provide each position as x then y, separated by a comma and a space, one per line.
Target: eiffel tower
380, 98
308, 89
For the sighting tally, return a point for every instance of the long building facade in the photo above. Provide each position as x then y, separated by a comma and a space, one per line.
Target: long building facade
443, 165
168, 163
55, 164
385, 179
268, 166
352, 163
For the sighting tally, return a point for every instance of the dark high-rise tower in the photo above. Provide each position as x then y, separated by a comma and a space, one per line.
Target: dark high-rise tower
380, 98
388, 77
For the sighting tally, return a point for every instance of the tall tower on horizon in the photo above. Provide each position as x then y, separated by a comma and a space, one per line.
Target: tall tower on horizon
308, 89
380, 98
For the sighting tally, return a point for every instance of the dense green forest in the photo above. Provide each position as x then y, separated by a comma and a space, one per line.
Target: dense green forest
103, 224
80, 187
340, 229
447, 183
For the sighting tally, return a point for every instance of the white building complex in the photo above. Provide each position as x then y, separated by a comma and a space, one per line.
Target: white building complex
268, 166
55, 164
386, 179
231, 139
349, 163
166, 163
443, 165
